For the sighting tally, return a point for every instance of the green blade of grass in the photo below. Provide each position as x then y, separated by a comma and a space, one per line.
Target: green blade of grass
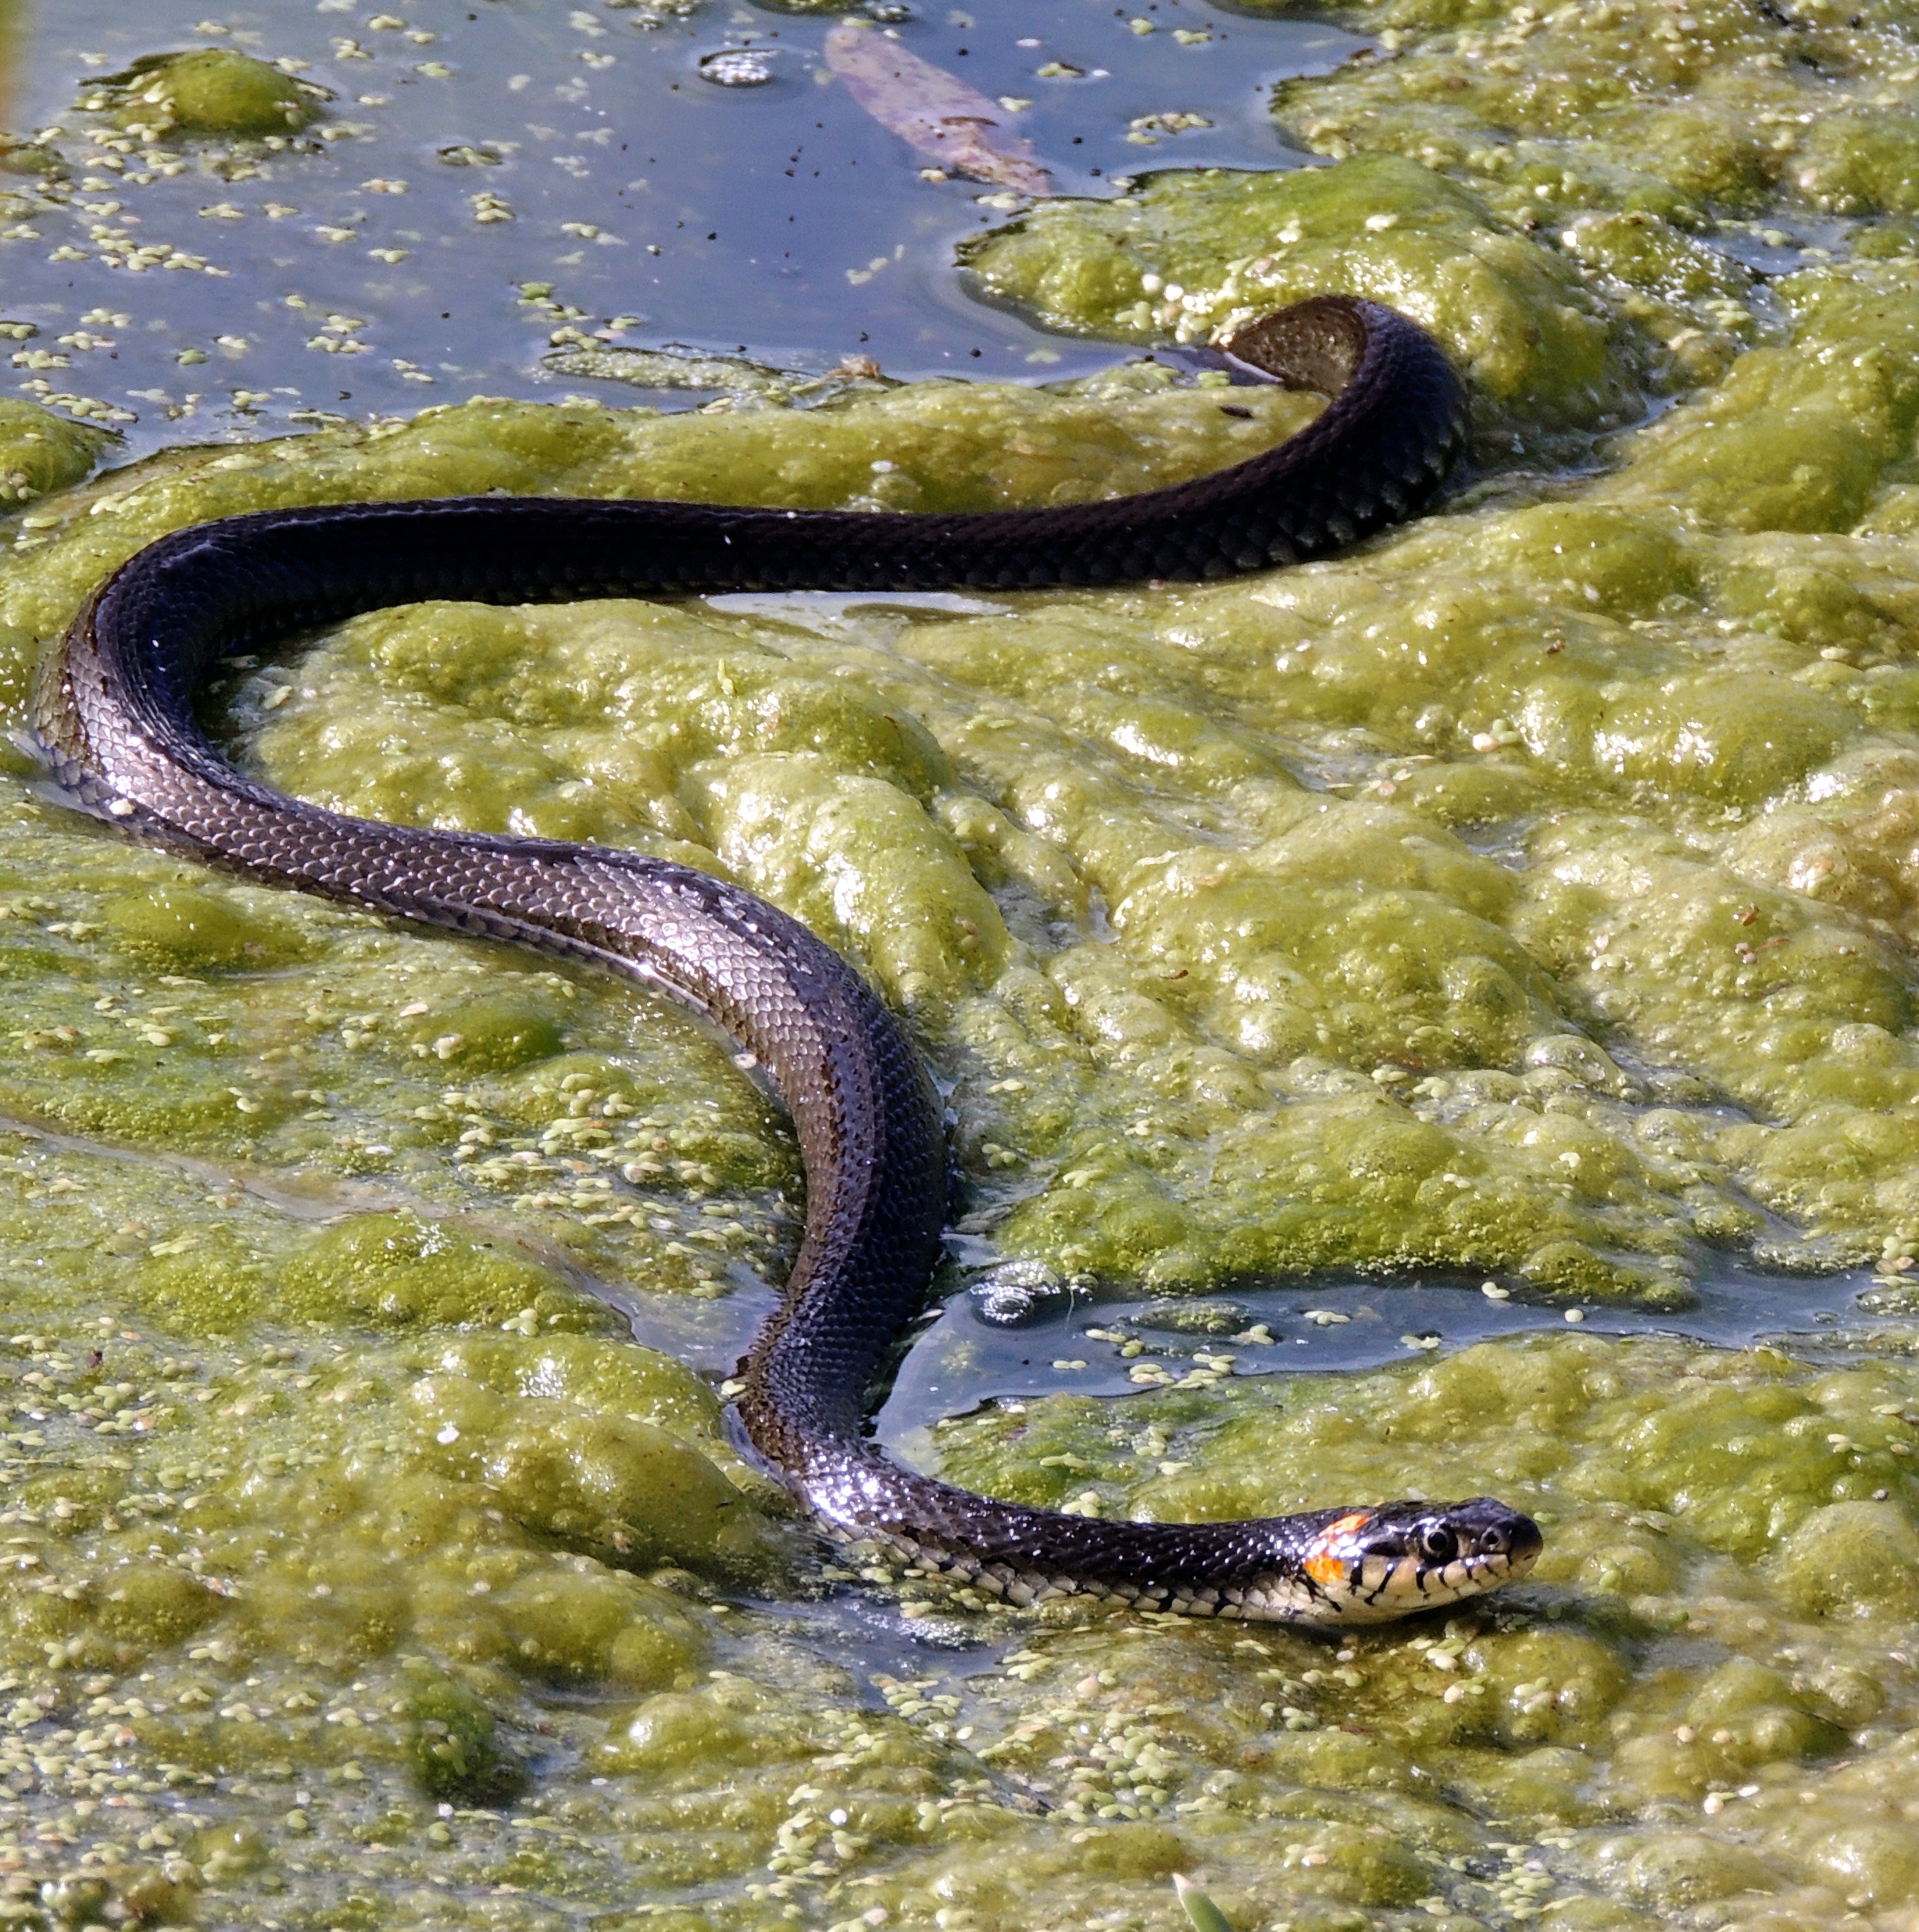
1205, 1916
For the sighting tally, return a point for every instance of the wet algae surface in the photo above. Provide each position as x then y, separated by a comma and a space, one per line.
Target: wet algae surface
1439, 1021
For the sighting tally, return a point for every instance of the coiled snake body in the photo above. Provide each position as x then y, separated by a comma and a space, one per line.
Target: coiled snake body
115, 714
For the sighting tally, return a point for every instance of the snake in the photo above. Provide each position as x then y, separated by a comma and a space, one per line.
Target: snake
114, 715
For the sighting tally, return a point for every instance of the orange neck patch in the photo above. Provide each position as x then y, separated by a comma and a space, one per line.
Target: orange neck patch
1325, 1565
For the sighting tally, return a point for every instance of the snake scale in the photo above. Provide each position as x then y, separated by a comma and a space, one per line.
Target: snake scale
114, 714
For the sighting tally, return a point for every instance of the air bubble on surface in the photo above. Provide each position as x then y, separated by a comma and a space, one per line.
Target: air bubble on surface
737, 67
1017, 1292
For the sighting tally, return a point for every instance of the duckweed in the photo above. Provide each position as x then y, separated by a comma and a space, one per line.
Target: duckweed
295, 1636
1530, 897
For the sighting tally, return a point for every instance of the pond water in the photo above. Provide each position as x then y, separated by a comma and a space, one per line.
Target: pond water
1437, 1021
778, 221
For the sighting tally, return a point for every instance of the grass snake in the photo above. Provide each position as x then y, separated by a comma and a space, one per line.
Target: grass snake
114, 714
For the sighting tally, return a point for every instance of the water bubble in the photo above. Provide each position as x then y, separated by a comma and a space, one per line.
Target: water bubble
1017, 1292
737, 67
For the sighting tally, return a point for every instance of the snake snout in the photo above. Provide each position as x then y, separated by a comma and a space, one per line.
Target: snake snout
1499, 1538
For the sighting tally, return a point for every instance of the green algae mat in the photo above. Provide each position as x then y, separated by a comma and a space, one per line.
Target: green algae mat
1527, 901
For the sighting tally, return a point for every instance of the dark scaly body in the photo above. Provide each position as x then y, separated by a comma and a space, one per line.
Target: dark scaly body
115, 714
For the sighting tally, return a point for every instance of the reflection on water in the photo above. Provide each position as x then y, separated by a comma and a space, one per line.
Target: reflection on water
489, 185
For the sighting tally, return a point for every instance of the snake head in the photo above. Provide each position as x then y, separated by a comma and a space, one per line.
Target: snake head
1370, 1564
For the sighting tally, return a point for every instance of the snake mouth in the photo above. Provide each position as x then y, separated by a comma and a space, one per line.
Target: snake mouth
1374, 1564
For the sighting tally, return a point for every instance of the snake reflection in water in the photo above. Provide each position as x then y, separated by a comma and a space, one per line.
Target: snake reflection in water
114, 714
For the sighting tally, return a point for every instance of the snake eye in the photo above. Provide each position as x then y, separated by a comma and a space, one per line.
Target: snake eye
1438, 1544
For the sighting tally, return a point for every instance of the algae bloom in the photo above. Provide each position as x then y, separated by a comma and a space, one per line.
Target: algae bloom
1528, 900
210, 90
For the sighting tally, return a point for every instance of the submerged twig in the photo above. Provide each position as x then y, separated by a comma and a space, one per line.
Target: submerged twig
934, 111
